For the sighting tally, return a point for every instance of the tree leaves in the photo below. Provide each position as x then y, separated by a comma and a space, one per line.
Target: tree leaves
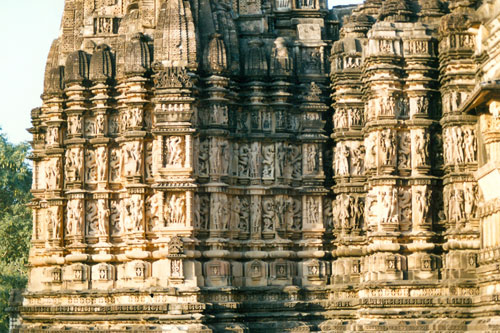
15, 220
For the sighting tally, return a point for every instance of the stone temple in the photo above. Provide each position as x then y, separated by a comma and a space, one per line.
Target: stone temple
267, 166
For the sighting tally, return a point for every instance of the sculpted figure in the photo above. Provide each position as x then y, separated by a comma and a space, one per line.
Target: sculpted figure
113, 125
75, 124
215, 156
90, 166
132, 158
389, 205
255, 215
103, 217
448, 147
224, 213
137, 213
268, 215
421, 149
296, 161
312, 158
243, 158
459, 195
203, 158
204, 211
102, 163
242, 119
134, 118
54, 217
53, 174
254, 160
196, 208
344, 211
175, 151
477, 197
154, 212
281, 60
312, 210
371, 151
127, 222
452, 206
235, 213
125, 121
458, 144
176, 211
268, 161
388, 143
115, 218
92, 223
215, 212
327, 213
422, 104
99, 124
386, 207
470, 145
74, 217
148, 161
357, 209
114, 164
421, 205
404, 152
74, 164
358, 160
89, 126
342, 160
52, 136
355, 117
244, 214
225, 156
342, 118
281, 159
296, 222
157, 155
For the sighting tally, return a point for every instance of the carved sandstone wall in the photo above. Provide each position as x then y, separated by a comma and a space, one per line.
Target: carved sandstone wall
267, 166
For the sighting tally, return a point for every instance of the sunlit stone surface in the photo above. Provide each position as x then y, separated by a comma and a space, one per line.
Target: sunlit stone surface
267, 166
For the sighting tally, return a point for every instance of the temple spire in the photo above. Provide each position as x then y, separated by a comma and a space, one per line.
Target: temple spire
175, 35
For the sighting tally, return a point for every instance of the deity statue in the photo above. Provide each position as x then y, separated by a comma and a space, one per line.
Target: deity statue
103, 217
243, 159
175, 151
268, 161
101, 158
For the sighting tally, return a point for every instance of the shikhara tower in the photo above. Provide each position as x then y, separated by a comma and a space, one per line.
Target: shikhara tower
267, 166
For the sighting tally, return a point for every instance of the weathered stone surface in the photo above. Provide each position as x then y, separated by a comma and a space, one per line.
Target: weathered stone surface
208, 166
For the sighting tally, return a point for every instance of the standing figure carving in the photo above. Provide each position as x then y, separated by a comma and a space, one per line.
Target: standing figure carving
312, 158
215, 156
175, 151
281, 60
131, 158
388, 144
74, 217
103, 217
203, 157
243, 159
101, 157
470, 146
176, 209
342, 160
254, 160
268, 161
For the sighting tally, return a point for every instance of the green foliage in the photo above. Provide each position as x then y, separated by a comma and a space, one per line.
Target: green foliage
15, 220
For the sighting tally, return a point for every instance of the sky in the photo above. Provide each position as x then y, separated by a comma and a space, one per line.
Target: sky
28, 28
